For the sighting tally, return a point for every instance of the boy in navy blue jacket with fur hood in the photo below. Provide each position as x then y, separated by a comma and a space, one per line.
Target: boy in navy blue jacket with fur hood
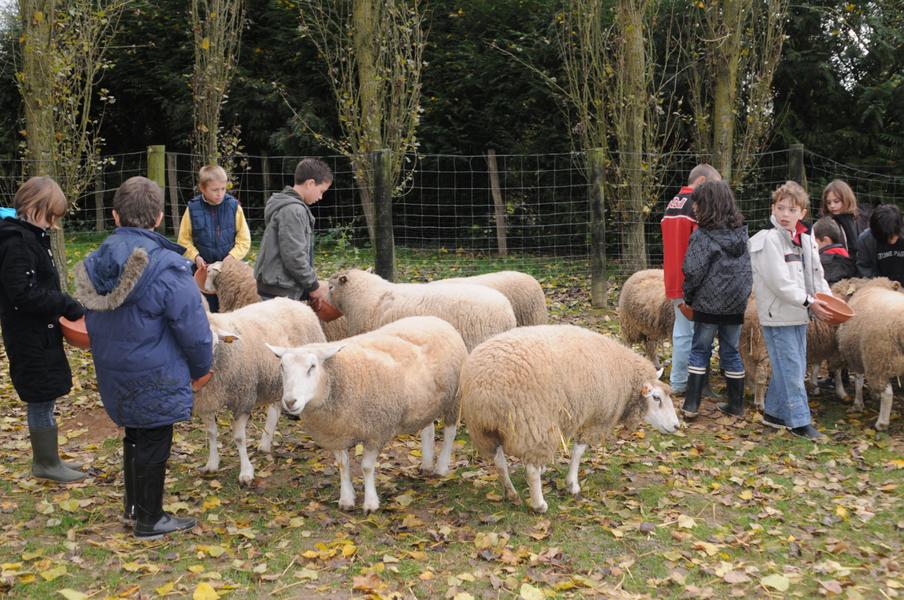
149, 337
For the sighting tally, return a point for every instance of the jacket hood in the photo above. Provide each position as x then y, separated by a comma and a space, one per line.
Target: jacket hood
733, 241
280, 200
108, 277
12, 226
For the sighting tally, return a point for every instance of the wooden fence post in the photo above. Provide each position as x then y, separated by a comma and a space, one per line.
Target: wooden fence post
498, 203
265, 176
99, 202
157, 171
172, 184
797, 171
384, 246
599, 284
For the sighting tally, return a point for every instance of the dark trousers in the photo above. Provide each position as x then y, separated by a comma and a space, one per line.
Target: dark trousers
152, 446
213, 302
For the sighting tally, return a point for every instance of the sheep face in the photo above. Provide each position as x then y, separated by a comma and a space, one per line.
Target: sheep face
304, 378
213, 269
660, 411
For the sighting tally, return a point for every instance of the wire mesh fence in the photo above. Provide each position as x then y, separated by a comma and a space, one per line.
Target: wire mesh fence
448, 207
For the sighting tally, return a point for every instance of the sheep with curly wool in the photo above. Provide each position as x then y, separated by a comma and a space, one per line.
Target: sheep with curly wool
246, 375
233, 282
371, 387
872, 341
523, 392
752, 347
368, 301
645, 313
523, 292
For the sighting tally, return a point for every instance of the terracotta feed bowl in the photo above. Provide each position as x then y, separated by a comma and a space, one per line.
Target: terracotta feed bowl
840, 309
327, 312
197, 384
75, 332
201, 280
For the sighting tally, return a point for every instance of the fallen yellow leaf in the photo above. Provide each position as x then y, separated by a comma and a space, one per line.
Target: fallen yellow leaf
205, 591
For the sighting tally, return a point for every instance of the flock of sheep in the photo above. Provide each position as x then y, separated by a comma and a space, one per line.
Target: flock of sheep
479, 351
870, 345
475, 350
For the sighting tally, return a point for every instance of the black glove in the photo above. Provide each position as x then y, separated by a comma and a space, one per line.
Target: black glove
74, 310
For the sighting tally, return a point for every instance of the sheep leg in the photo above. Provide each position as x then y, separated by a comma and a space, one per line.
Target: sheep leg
537, 503
577, 451
814, 378
502, 467
346, 490
428, 434
266, 444
858, 393
369, 466
213, 456
885, 400
246, 472
839, 385
445, 455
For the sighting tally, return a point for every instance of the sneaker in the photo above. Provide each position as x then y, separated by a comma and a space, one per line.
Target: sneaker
771, 421
809, 432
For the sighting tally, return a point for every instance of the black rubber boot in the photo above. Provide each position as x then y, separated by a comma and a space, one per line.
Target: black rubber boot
692, 397
707, 392
151, 521
128, 471
735, 404
46, 463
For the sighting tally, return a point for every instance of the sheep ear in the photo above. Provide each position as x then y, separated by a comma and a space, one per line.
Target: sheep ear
896, 285
325, 354
660, 372
343, 279
645, 389
277, 350
228, 336
369, 270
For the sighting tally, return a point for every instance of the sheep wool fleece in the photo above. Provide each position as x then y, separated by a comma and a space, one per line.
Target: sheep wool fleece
529, 388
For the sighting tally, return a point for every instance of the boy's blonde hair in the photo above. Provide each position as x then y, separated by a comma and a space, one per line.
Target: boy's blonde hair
210, 173
844, 193
40, 198
791, 190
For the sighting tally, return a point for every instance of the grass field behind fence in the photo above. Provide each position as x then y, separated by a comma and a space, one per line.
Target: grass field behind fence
723, 509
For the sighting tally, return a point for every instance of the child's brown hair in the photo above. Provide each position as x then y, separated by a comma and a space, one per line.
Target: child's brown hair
791, 190
40, 198
844, 193
714, 206
138, 202
826, 227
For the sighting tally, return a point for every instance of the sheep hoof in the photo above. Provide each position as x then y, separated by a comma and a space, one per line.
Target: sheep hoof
246, 479
540, 508
574, 488
346, 506
209, 468
265, 449
371, 508
441, 471
881, 426
856, 408
425, 468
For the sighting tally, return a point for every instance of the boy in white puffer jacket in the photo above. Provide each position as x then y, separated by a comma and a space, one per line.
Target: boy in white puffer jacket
786, 274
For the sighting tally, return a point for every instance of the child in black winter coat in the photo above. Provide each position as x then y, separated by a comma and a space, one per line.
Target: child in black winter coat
717, 283
31, 303
837, 264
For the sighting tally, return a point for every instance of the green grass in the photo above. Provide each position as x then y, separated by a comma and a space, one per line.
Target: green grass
713, 511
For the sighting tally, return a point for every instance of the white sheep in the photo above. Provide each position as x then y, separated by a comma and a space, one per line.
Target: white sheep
645, 313
397, 379
246, 375
872, 342
233, 282
523, 292
337, 329
523, 392
368, 301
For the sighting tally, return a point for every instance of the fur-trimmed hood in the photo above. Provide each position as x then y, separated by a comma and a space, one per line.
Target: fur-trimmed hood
111, 275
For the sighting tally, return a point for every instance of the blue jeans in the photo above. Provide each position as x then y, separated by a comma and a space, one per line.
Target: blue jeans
729, 356
786, 397
40, 415
682, 336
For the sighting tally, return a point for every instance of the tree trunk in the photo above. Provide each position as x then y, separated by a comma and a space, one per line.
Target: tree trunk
364, 17
633, 99
725, 86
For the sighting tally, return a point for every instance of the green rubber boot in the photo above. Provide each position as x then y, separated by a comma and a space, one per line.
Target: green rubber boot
46, 463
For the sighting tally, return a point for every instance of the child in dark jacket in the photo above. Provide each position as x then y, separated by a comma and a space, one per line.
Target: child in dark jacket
717, 283
836, 262
840, 204
149, 338
31, 302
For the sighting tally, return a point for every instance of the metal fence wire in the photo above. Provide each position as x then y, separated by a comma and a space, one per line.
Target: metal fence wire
447, 205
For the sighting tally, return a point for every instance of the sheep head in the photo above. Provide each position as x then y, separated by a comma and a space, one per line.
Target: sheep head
304, 377
213, 270
659, 411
